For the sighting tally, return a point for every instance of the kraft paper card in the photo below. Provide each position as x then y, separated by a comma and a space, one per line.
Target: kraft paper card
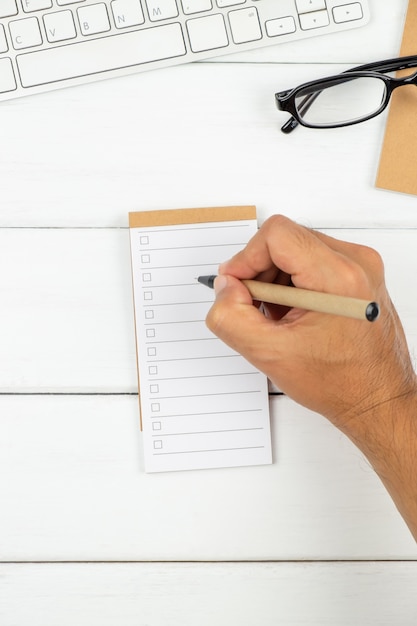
398, 161
202, 405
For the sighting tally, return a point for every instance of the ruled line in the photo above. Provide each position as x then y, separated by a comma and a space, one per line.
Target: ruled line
193, 321
161, 304
204, 395
236, 411
201, 247
210, 450
164, 267
221, 226
210, 375
206, 432
148, 343
150, 285
192, 358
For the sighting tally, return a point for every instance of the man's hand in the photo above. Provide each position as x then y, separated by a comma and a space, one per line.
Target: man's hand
359, 375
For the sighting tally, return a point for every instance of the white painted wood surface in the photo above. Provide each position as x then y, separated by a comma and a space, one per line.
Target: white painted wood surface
71, 476
207, 135
66, 324
72, 488
139, 594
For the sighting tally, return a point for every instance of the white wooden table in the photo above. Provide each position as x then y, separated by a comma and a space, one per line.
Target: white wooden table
86, 537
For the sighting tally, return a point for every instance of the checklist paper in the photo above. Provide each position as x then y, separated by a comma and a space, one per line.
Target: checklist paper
202, 404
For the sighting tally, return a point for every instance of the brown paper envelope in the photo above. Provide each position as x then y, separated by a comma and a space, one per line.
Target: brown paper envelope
398, 161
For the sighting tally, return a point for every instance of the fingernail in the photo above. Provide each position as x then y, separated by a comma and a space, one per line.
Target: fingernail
220, 283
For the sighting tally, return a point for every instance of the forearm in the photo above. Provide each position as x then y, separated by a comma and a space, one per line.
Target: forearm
387, 436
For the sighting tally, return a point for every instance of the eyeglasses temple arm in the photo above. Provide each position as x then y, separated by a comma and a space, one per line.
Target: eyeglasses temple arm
390, 65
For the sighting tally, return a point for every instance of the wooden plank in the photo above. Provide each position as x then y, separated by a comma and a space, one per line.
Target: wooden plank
196, 135
66, 320
140, 594
67, 305
72, 488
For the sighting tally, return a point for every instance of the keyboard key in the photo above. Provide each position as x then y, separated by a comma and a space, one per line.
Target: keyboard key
207, 33
347, 13
127, 13
306, 6
25, 33
7, 81
7, 8
195, 6
100, 55
3, 41
244, 24
93, 19
280, 26
229, 3
63, 3
36, 5
318, 19
59, 26
161, 9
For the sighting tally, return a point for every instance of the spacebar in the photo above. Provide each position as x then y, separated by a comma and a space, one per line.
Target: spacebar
101, 55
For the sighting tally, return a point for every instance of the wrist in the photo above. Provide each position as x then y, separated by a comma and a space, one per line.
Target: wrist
387, 435
382, 424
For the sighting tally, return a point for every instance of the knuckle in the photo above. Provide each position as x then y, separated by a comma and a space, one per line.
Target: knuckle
353, 276
373, 259
362, 272
276, 222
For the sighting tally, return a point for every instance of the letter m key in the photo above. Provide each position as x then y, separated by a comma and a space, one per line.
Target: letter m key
161, 9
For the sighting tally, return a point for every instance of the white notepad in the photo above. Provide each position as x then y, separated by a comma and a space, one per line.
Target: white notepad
202, 404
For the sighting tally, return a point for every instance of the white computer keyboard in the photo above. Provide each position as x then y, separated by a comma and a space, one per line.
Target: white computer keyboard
47, 44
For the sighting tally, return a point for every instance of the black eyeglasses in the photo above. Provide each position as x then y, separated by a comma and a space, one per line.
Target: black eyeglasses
348, 98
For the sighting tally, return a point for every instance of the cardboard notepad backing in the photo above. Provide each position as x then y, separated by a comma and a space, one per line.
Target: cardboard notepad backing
397, 166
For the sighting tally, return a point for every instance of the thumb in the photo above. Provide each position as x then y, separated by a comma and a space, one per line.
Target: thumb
235, 320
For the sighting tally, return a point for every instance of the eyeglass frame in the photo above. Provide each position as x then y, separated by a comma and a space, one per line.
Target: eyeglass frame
285, 100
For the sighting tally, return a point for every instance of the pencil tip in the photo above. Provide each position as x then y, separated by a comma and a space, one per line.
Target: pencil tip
208, 281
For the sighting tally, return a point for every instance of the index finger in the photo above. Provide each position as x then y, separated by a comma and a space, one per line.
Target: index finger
313, 261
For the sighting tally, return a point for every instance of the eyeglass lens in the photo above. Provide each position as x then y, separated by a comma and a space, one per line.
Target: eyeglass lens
346, 102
